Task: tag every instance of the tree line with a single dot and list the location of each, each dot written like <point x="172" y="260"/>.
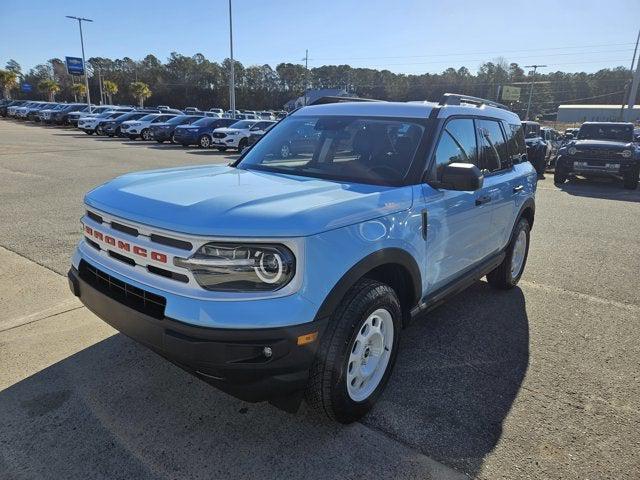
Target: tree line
<point x="183" y="81"/>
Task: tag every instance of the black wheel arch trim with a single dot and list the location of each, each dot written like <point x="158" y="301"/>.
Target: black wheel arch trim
<point x="529" y="203"/>
<point x="385" y="256"/>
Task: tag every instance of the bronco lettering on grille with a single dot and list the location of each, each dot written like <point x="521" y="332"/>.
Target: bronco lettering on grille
<point x="125" y="246"/>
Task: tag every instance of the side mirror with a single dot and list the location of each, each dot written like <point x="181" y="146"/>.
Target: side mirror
<point x="461" y="176"/>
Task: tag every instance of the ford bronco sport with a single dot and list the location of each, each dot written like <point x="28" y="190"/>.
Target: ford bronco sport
<point x="602" y="149"/>
<point x="284" y="277"/>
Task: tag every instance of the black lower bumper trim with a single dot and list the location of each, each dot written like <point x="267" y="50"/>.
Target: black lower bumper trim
<point x="233" y="360"/>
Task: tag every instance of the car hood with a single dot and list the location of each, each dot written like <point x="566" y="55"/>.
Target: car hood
<point x="227" y="130"/>
<point x="602" y="144"/>
<point x="218" y="200"/>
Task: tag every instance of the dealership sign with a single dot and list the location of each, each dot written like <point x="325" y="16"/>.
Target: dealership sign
<point x="26" y="87"/>
<point x="75" y="66"/>
<point x="510" y="94"/>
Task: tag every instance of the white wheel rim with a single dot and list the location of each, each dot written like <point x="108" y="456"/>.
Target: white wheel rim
<point x="519" y="249"/>
<point x="205" y="141"/>
<point x="369" y="355"/>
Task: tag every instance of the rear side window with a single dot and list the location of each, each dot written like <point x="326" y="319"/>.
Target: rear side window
<point x="457" y="144"/>
<point x="515" y="141"/>
<point x="493" y="146"/>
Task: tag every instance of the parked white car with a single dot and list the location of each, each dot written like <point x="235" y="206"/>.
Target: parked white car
<point x="140" y="128"/>
<point x="237" y="135"/>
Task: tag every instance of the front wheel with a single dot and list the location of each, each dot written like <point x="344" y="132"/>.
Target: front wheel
<point x="242" y="145"/>
<point x="508" y="273"/>
<point x="357" y="353"/>
<point x="204" y="141"/>
<point x="558" y="177"/>
<point x="145" y="134"/>
<point x="631" y="179"/>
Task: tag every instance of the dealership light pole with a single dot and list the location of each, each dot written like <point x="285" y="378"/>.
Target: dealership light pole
<point x="84" y="66"/>
<point x="629" y="87"/>
<point x="533" y="77"/>
<point x="232" y="79"/>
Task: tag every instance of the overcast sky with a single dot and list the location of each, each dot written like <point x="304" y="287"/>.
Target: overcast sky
<point x="411" y="36"/>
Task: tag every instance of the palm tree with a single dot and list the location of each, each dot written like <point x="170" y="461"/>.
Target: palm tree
<point x="50" y="87"/>
<point x="79" y="90"/>
<point x="9" y="81"/>
<point x="110" y="88"/>
<point x="140" y="91"/>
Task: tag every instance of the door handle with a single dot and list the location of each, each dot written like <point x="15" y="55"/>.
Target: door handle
<point x="517" y="189"/>
<point x="482" y="200"/>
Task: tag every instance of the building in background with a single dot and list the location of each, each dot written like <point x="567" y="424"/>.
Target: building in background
<point x="596" y="113"/>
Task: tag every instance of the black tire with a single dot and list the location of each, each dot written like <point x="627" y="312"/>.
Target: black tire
<point x="327" y="391"/>
<point x="118" y="131"/>
<point x="242" y="144"/>
<point x="502" y="277"/>
<point x="559" y="178"/>
<point x="172" y="139"/>
<point x="160" y="141"/>
<point x="110" y="135"/>
<point x="98" y="130"/>
<point x="630" y="180"/>
<point x="89" y="132"/>
<point x="204" y="141"/>
<point x="145" y="134"/>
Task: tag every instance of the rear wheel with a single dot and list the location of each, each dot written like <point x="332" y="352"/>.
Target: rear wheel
<point x="357" y="352"/>
<point x="145" y="134"/>
<point x="242" y="144"/>
<point x="631" y="179"/>
<point x="508" y="273"/>
<point x="172" y="139"/>
<point x="98" y="130"/>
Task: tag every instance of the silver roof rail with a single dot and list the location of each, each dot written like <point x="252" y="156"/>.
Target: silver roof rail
<point x="457" y="99"/>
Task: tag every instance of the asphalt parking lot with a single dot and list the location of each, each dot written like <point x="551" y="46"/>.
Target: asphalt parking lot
<point x="538" y="382"/>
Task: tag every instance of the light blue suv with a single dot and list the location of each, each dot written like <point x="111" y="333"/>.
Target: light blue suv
<point x="283" y="277"/>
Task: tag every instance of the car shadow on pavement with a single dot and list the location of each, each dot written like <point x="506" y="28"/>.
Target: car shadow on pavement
<point x="458" y="373"/>
<point x="115" y="409"/>
<point x="605" y="188"/>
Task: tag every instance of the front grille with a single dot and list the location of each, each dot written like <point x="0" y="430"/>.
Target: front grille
<point x="219" y="135"/>
<point x="133" y="297"/>
<point x="124" y="229"/>
<point x="171" y="242"/>
<point x="598" y="154"/>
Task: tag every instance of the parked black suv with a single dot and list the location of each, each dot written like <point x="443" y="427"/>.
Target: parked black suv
<point x="602" y="149"/>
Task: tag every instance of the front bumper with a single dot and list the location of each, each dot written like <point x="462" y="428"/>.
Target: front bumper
<point x="568" y="164"/>
<point x="233" y="360"/>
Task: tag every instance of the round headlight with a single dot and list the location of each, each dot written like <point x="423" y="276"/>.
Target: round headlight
<point x="572" y="151"/>
<point x="235" y="267"/>
<point x="627" y="153"/>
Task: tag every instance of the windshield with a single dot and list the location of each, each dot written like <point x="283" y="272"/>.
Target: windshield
<point x="243" y="124"/>
<point x="359" y="149"/>
<point x="178" y="120"/>
<point x="148" y="118"/>
<point x="205" y="121"/>
<point x="595" y="131"/>
<point x="531" y="130"/>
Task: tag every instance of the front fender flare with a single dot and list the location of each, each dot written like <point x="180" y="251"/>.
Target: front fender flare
<point x="365" y="265"/>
